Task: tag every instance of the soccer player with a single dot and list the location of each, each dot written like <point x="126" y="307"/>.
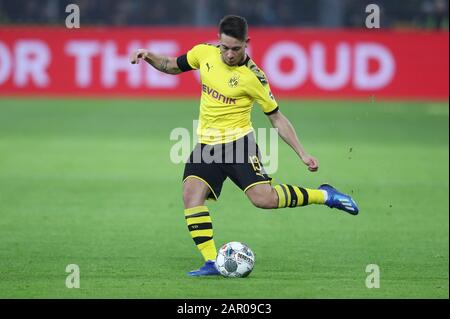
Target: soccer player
<point x="231" y="82"/>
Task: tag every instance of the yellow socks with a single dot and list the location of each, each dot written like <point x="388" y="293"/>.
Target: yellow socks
<point x="200" y="226"/>
<point x="293" y="196"/>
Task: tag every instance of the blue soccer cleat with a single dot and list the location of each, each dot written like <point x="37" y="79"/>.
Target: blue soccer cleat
<point x="338" y="200"/>
<point x="208" y="269"/>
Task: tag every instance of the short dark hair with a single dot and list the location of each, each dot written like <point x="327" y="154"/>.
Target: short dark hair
<point x="234" y="26"/>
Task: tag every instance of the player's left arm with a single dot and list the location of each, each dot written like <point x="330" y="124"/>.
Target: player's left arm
<point x="288" y="134"/>
<point x="260" y="90"/>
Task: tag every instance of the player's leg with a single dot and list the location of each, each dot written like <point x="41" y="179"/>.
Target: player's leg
<point x="251" y="177"/>
<point x="200" y="182"/>
<point x="197" y="216"/>
<point x="280" y="196"/>
<point x="195" y="192"/>
<point x="284" y="195"/>
<point x="263" y="196"/>
<point x="294" y="196"/>
<point x="198" y="219"/>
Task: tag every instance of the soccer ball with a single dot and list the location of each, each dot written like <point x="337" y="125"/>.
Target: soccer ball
<point x="235" y="259"/>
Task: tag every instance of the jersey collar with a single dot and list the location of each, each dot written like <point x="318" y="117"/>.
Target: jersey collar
<point x="247" y="58"/>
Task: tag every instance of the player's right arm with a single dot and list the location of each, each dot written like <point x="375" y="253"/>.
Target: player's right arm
<point x="160" y="62"/>
<point x="173" y="65"/>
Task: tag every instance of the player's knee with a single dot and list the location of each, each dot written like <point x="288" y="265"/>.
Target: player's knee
<point x="191" y="198"/>
<point x="264" y="201"/>
<point x="187" y="198"/>
<point x="265" y="204"/>
<point x="259" y="202"/>
<point x="194" y="194"/>
<point x="263" y="196"/>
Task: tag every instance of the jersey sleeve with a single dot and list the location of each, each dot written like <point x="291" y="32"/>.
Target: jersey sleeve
<point x="195" y="55"/>
<point x="260" y="91"/>
<point x="192" y="59"/>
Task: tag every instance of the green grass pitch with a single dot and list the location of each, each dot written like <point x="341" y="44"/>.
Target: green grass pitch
<point x="89" y="182"/>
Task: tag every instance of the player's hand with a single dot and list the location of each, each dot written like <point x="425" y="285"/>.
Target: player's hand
<point x="137" y="55"/>
<point x="311" y="162"/>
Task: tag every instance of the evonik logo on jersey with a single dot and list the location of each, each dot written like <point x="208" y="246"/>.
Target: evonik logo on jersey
<point x="217" y="95"/>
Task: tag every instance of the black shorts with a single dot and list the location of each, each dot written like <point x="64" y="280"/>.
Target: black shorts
<point x="239" y="160"/>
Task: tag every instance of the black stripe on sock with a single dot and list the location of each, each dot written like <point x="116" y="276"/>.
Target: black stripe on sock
<point x="200" y="226"/>
<point x="197" y="215"/>
<point x="294" y="198"/>
<point x="201" y="239"/>
<point x="305" y="196"/>
<point x="285" y="195"/>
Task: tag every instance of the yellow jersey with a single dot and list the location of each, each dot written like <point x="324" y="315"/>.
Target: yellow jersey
<point x="228" y="94"/>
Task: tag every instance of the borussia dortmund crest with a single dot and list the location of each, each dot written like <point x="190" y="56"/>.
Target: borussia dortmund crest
<point x="234" y="81"/>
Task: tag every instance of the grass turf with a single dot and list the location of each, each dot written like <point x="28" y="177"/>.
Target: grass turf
<point x="90" y="182"/>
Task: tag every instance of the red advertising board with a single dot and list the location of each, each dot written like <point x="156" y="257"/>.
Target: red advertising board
<point x="299" y="63"/>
